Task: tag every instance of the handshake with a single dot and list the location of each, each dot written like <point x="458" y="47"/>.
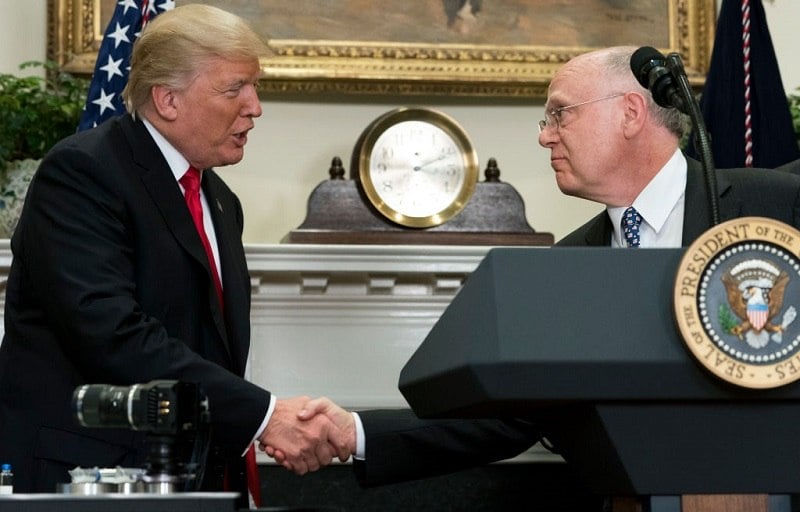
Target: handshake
<point x="304" y="435"/>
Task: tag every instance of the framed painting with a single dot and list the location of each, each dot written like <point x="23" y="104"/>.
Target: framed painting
<point x="508" y="48"/>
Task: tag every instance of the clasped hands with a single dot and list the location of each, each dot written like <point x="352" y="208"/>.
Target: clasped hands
<point x="304" y="435"/>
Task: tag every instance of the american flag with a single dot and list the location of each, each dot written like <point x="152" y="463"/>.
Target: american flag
<point x="744" y="102"/>
<point x="113" y="60"/>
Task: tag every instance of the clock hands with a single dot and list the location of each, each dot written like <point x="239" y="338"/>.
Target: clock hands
<point x="429" y="162"/>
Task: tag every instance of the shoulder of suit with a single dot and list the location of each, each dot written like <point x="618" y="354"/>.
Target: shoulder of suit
<point x="792" y="167"/>
<point x="597" y="225"/>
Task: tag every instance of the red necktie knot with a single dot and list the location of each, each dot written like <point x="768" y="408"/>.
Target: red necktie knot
<point x="191" y="180"/>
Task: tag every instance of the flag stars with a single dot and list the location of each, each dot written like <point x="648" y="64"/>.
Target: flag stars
<point x="120" y="34"/>
<point x="104" y="101"/>
<point x="126" y="4"/>
<point x="112" y="68"/>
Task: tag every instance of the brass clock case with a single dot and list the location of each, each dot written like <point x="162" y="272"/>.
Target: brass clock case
<point x="416" y="166"/>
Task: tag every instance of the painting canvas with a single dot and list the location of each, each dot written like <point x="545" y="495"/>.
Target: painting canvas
<point x="550" y="23"/>
<point x="469" y="47"/>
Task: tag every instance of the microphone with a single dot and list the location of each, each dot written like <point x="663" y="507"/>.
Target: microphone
<point x="667" y="82"/>
<point x="651" y="69"/>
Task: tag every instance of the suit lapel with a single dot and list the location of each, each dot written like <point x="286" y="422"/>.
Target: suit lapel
<point x="235" y="277"/>
<point x="697" y="216"/>
<point x="160" y="183"/>
<point x="600" y="231"/>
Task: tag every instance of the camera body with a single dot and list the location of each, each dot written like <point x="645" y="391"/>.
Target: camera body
<point x="165" y="407"/>
<point x="173" y="414"/>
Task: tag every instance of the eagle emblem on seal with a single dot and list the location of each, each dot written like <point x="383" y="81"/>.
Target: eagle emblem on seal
<point x="755" y="290"/>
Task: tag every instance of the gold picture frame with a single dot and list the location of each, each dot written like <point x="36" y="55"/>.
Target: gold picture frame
<point x="416" y="64"/>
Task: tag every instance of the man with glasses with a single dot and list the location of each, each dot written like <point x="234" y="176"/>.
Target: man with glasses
<point x="609" y="143"/>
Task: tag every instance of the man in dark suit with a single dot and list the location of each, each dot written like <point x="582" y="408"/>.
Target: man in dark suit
<point x="111" y="283"/>
<point x="741" y="192"/>
<point x="610" y="143"/>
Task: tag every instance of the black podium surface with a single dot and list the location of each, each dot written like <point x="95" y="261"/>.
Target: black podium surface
<point x="585" y="340"/>
<point x="118" y="502"/>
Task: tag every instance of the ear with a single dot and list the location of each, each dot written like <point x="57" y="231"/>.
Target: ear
<point x="636" y="114"/>
<point x="164" y="102"/>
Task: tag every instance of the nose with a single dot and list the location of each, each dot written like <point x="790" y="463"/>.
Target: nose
<point x="252" y="104"/>
<point x="548" y="136"/>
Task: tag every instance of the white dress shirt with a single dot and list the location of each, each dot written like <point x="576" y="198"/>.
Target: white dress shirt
<point x="661" y="205"/>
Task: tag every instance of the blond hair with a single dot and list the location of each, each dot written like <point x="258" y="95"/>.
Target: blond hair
<point x="175" y="46"/>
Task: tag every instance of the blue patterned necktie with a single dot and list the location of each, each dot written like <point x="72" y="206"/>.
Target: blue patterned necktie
<point x="630" y="226"/>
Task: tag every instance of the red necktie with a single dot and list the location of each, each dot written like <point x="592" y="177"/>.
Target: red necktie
<point x="191" y="185"/>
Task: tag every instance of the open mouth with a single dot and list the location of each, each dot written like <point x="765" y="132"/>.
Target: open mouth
<point x="240" y="138"/>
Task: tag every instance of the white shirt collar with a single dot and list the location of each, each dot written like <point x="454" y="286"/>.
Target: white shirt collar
<point x="178" y="165"/>
<point x="176" y="161"/>
<point x="660" y="204"/>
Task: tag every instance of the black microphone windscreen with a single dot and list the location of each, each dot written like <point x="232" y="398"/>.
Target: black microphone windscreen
<point x="642" y="62"/>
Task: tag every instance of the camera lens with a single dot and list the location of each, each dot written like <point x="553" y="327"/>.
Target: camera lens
<point x="160" y="406"/>
<point x="102" y="405"/>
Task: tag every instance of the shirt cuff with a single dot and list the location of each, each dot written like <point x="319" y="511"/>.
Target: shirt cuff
<point x="361" y="443"/>
<point x="270" y="410"/>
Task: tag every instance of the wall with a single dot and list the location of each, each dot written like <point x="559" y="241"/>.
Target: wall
<point x="290" y="150"/>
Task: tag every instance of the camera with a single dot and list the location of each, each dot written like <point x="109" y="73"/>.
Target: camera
<point x="161" y="407"/>
<point x="174" y="415"/>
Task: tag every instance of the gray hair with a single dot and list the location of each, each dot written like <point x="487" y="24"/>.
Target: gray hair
<point x="177" y="44"/>
<point x="618" y="63"/>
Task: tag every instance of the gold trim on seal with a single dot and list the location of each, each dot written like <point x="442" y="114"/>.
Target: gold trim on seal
<point x="735" y="347"/>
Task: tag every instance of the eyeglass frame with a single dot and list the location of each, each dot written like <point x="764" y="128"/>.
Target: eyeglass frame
<point x="555" y="113"/>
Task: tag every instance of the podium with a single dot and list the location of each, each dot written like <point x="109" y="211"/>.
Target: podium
<point x="585" y="341"/>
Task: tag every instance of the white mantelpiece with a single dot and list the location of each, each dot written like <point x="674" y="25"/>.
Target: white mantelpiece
<point x="341" y="321"/>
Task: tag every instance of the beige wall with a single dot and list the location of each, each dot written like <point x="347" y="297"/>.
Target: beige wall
<point x="290" y="150"/>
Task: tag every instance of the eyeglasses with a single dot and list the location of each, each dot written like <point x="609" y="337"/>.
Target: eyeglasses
<point x="552" y="117"/>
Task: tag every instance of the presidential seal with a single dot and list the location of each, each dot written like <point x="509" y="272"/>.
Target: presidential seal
<point x="736" y="297"/>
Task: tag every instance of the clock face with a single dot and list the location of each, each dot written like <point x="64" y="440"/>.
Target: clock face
<point x="416" y="166"/>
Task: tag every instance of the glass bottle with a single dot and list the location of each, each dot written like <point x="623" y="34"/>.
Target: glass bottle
<point x="6" y="479"/>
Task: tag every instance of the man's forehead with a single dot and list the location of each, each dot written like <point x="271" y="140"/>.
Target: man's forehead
<point x="573" y="79"/>
<point x="219" y="70"/>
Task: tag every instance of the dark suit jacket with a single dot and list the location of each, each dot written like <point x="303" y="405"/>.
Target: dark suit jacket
<point x="110" y="284"/>
<point x="792" y="167"/>
<point x="401" y="446"/>
<point x="741" y="192"/>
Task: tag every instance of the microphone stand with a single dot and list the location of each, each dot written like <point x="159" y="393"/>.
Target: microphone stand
<point x="702" y="140"/>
